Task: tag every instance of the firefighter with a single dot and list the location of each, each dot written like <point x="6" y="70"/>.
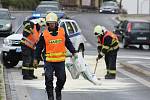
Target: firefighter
<point x="54" y="41"/>
<point x="31" y="33"/>
<point x="108" y="45"/>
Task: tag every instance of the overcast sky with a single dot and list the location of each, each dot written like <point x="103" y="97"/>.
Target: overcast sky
<point x="131" y="6"/>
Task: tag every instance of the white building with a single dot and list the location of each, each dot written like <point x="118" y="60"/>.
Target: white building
<point x="136" y="6"/>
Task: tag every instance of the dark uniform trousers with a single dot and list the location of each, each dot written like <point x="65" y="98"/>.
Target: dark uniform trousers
<point x="59" y="69"/>
<point x="27" y="57"/>
<point x="110" y="60"/>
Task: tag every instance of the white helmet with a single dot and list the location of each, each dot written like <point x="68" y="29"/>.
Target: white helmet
<point x="51" y="18"/>
<point x="41" y="21"/>
<point x="104" y="29"/>
<point x="98" y="30"/>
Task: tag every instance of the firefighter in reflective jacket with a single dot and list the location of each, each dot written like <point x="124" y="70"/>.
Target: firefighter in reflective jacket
<point x="31" y="33"/>
<point x="54" y="41"/>
<point x="108" y="46"/>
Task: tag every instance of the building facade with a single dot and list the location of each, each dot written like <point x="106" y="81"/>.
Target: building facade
<point x="80" y="4"/>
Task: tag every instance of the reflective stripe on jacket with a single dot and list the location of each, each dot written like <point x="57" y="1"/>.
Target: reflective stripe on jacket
<point x="114" y="44"/>
<point x="55" y="46"/>
<point x="32" y="39"/>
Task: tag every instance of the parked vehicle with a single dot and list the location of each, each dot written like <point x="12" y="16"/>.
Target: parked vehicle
<point x="60" y="14"/>
<point x="11" y="50"/>
<point x="133" y="31"/>
<point x="109" y="7"/>
<point x="55" y="3"/>
<point x="42" y="9"/>
<point x="5" y="22"/>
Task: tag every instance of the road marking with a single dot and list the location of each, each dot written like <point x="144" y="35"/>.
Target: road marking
<point x="137" y="78"/>
<point x="134" y="57"/>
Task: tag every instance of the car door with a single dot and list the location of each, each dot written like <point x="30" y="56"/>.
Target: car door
<point x="70" y="31"/>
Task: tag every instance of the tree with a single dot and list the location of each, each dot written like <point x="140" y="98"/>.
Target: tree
<point x="20" y="4"/>
<point x="120" y="4"/>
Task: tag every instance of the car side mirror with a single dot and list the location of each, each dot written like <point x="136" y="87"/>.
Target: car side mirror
<point x="13" y="18"/>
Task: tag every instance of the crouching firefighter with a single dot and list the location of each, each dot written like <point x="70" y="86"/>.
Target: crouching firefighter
<point x="31" y="33"/>
<point x="108" y="45"/>
<point x="54" y="41"/>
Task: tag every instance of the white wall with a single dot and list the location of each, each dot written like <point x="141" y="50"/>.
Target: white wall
<point x="131" y="6"/>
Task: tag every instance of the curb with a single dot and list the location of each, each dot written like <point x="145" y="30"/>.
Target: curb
<point x="136" y="68"/>
<point x="121" y="17"/>
<point x="2" y="84"/>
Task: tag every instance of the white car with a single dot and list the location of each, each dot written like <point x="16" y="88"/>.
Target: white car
<point x="11" y="52"/>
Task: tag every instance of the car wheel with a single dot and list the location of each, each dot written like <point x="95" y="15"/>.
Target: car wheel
<point x="9" y="63"/>
<point x="141" y="47"/>
<point x="81" y="49"/>
<point x="124" y="43"/>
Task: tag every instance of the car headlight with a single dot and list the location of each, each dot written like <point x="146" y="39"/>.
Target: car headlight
<point x="100" y="10"/>
<point x="113" y="10"/>
<point x="7" y="42"/>
<point x="8" y="25"/>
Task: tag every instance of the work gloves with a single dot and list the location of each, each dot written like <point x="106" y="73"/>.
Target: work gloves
<point x="75" y="55"/>
<point x="99" y="57"/>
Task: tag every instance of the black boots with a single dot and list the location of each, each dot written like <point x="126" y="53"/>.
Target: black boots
<point x="27" y="77"/>
<point x="51" y="98"/>
<point x="110" y="76"/>
<point x="31" y="73"/>
<point x="28" y="74"/>
<point x="34" y="77"/>
<point x="50" y="95"/>
<point x="58" y="95"/>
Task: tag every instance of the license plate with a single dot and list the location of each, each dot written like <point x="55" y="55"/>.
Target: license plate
<point x="141" y="38"/>
<point x="18" y="50"/>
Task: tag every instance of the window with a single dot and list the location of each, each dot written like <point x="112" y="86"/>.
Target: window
<point x="70" y="28"/>
<point x="75" y="27"/>
<point x="141" y="26"/>
<point x="4" y="15"/>
<point x="20" y="29"/>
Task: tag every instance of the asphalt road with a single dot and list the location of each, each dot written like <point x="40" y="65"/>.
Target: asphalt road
<point x="87" y="21"/>
<point x="127" y="86"/>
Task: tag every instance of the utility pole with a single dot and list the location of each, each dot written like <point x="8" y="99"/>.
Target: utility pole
<point x="137" y="6"/>
<point x="0" y="3"/>
<point x="149" y="7"/>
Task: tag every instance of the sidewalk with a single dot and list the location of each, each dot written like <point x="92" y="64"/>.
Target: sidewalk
<point x="21" y="89"/>
<point x="2" y="84"/>
<point x="121" y="17"/>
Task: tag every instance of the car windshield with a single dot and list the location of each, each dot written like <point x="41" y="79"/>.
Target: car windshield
<point x="19" y="30"/>
<point x="140" y="26"/>
<point x="4" y="15"/>
<point x="109" y="4"/>
<point x="49" y="3"/>
<point x="45" y="9"/>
